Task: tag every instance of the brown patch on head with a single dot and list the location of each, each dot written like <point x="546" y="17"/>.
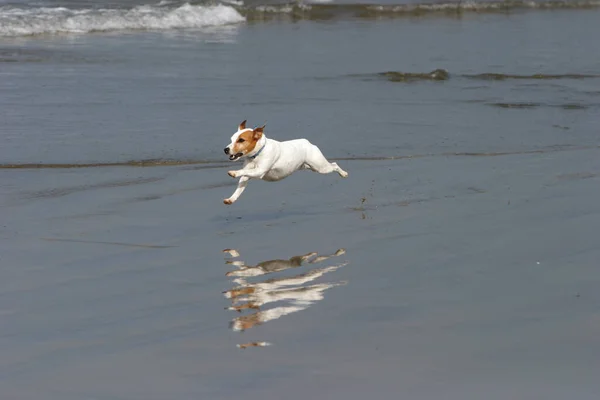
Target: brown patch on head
<point x="246" y="142"/>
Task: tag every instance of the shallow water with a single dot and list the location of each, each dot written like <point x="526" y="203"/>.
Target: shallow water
<point x="468" y="223"/>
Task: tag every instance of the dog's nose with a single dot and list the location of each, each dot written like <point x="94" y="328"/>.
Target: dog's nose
<point x="226" y="150"/>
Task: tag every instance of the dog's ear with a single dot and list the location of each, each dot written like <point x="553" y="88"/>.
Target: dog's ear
<point x="242" y="125"/>
<point x="258" y="132"/>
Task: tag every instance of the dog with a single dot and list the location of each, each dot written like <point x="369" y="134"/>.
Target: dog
<point x="272" y="161"/>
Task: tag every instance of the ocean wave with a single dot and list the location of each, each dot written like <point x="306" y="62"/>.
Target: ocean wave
<point x="55" y="20"/>
<point x="321" y="10"/>
<point x="487" y="6"/>
<point x="172" y="14"/>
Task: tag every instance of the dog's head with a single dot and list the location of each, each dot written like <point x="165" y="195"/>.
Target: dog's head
<point x="243" y="141"/>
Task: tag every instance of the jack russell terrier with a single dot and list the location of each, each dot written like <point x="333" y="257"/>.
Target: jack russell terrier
<point x="270" y="160"/>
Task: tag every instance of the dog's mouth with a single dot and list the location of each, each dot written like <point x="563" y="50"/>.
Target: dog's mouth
<point x="234" y="157"/>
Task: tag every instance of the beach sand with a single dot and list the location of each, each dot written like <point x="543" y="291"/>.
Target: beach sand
<point x="463" y="277"/>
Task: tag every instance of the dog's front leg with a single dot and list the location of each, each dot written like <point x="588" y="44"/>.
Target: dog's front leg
<point x="238" y="191"/>
<point x="254" y="173"/>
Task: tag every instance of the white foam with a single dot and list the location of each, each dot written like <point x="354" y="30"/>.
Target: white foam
<point x="35" y="21"/>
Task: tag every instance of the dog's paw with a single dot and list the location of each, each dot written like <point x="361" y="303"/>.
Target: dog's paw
<point x="343" y="174"/>
<point x="228" y="201"/>
<point x="232" y="174"/>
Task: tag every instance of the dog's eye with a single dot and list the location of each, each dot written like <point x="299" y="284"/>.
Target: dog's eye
<point x="240" y="140"/>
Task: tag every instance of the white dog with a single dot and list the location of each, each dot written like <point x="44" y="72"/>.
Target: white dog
<point x="270" y="160"/>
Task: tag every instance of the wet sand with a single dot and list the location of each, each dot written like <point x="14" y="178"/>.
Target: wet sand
<point x="461" y="277"/>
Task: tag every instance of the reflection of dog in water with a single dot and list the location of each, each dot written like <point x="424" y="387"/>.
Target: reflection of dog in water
<point x="300" y="298"/>
<point x="261" y="293"/>
<point x="293" y="290"/>
<point x="270" y="266"/>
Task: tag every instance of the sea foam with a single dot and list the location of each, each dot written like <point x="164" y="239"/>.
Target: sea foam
<point x="45" y="20"/>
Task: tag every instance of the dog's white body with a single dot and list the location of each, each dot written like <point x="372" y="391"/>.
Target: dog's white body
<point x="278" y="160"/>
<point x="271" y="160"/>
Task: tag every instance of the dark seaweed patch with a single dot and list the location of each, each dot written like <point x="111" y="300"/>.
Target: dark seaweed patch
<point x="435" y="75"/>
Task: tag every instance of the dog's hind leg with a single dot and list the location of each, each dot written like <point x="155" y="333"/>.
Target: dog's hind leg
<point x="316" y="161"/>
<point x="340" y="171"/>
